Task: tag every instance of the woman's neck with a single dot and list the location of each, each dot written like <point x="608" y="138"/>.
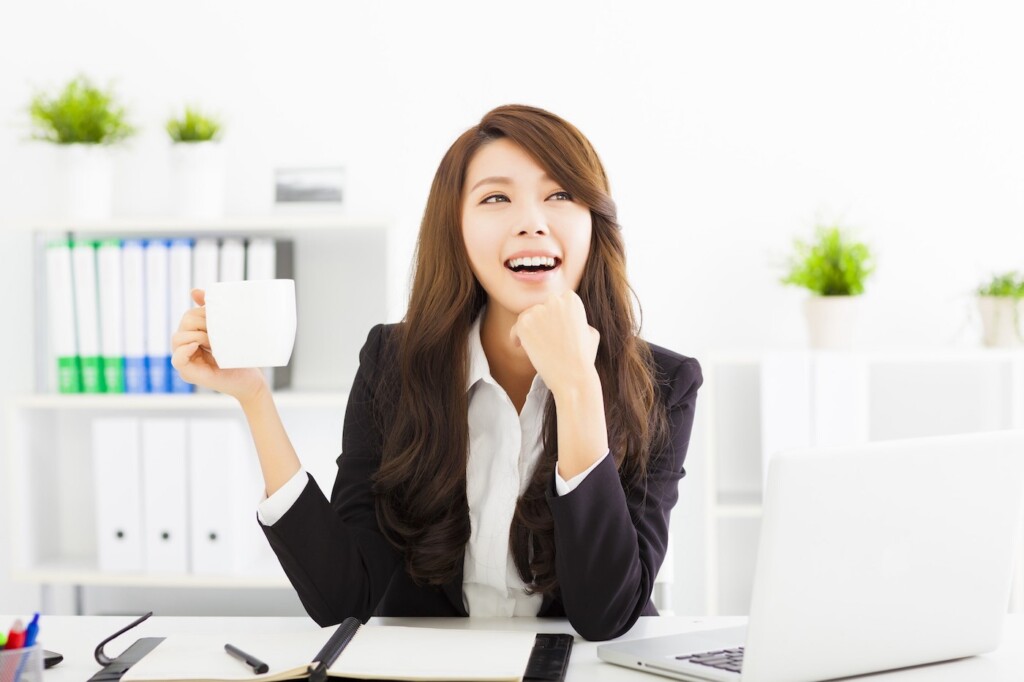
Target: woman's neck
<point x="509" y="364"/>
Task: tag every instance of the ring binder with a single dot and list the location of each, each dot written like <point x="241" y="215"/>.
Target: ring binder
<point x="115" y="668"/>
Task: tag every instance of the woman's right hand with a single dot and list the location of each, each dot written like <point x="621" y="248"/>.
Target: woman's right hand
<point x="191" y="356"/>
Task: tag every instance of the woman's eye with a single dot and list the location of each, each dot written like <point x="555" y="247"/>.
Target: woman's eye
<point x="568" y="197"/>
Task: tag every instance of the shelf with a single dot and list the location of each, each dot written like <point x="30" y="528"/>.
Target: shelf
<point x="83" y="574"/>
<point x="315" y="222"/>
<point x="874" y="355"/>
<point x="346" y="278"/>
<point x="738" y="511"/>
<point x="172" y="401"/>
<point x="738" y="505"/>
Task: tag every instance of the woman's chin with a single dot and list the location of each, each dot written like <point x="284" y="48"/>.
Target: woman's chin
<point x="523" y="302"/>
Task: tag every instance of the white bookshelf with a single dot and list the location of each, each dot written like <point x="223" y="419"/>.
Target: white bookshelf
<point x="86" y="575"/>
<point x="297" y="223"/>
<point x="345" y="279"/>
<point x="878" y="395"/>
<point x="285" y="399"/>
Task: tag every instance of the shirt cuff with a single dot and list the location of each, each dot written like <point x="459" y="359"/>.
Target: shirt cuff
<point x="563" y="487"/>
<point x="271" y="509"/>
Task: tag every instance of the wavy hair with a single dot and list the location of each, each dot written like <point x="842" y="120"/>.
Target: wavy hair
<point x="421" y="484"/>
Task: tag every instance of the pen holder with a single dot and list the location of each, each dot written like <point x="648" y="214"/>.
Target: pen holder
<point x="22" y="665"/>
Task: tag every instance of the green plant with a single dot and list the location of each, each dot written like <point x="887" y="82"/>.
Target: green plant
<point x="194" y="126"/>
<point x="81" y="113"/>
<point x="832" y="265"/>
<point x="1007" y="284"/>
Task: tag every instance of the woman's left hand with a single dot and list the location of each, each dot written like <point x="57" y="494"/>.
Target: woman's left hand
<point x="560" y="344"/>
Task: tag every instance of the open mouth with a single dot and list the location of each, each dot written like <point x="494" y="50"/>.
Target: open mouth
<point x="535" y="264"/>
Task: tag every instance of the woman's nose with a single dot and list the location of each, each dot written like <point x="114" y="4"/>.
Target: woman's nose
<point x="532" y="219"/>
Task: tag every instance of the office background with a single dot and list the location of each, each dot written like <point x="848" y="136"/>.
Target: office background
<point x="726" y="129"/>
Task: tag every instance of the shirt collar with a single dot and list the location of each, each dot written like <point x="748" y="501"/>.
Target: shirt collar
<point x="479" y="368"/>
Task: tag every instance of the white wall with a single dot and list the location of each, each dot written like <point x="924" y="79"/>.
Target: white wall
<point x="726" y="128"/>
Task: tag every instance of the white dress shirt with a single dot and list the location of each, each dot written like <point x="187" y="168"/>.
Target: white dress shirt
<point x="504" y="447"/>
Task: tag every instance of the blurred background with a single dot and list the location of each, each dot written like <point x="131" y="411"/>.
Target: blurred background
<point x="727" y="129"/>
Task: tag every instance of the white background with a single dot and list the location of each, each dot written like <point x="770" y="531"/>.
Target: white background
<point x="726" y="128"/>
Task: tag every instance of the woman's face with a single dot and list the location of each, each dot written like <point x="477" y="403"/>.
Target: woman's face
<point x="512" y="211"/>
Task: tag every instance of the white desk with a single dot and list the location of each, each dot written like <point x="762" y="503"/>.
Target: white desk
<point x="76" y="636"/>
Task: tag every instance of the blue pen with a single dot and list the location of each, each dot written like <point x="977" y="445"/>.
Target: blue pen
<point x="32" y="631"/>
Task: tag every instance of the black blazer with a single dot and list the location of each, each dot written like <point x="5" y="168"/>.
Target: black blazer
<point x="609" y="542"/>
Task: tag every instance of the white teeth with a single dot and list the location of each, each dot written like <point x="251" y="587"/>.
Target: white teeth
<point x="533" y="262"/>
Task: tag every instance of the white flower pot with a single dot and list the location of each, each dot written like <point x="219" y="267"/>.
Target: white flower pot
<point x="197" y="180"/>
<point x="1001" y="321"/>
<point x="87" y="179"/>
<point x="832" y="321"/>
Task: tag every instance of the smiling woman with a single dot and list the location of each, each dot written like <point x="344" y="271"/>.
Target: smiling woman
<point x="530" y="226"/>
<point x="513" y="447"/>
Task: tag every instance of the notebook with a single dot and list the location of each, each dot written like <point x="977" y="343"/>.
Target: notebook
<point x="365" y="652"/>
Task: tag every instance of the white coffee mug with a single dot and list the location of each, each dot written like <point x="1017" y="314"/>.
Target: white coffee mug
<point x="251" y="323"/>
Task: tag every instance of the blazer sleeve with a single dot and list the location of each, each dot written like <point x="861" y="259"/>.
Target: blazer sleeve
<point x="610" y="542"/>
<point x="333" y="552"/>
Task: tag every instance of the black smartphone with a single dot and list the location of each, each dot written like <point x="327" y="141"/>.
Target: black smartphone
<point x="51" y="658"/>
<point x="549" y="659"/>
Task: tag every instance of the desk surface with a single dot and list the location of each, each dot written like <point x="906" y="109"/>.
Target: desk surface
<point x="76" y="636"/>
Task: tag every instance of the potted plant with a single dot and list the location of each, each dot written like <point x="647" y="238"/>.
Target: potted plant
<point x="834" y="268"/>
<point x="1000" y="303"/>
<point x="83" y="121"/>
<point x="197" y="165"/>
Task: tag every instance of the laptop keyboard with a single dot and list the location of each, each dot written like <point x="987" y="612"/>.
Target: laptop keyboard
<point x="724" y="659"/>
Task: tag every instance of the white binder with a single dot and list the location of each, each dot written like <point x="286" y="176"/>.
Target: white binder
<point x="61" y="307"/>
<point x="133" y="261"/>
<point x="87" y="314"/>
<point x="179" y="299"/>
<point x="261" y="259"/>
<point x="232" y="260"/>
<point x="110" y="277"/>
<point x="204" y="263"/>
<point x="180" y="280"/>
<point x="205" y="271"/>
<point x="165" y="494"/>
<point x="224" y="487"/>
<point x="261" y="263"/>
<point x="266" y="258"/>
<point x="158" y="333"/>
<point x="117" y="479"/>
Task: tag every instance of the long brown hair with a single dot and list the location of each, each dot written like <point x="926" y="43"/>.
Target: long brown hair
<point x="421" y="484"/>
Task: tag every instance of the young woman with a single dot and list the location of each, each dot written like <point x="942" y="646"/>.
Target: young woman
<point x="512" y="447"/>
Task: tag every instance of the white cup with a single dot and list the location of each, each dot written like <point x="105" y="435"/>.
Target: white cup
<point x="251" y="323"/>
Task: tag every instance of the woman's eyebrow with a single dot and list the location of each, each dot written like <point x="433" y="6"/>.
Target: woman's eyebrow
<point x="501" y="180"/>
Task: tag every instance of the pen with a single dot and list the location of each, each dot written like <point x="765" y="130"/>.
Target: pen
<point x="32" y="631"/>
<point x="16" y="637"/>
<point x="258" y="666"/>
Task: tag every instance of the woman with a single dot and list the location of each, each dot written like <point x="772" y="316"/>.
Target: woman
<point x="512" y="447"/>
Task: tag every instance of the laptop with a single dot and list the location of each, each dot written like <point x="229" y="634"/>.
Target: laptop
<point x="871" y="558"/>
